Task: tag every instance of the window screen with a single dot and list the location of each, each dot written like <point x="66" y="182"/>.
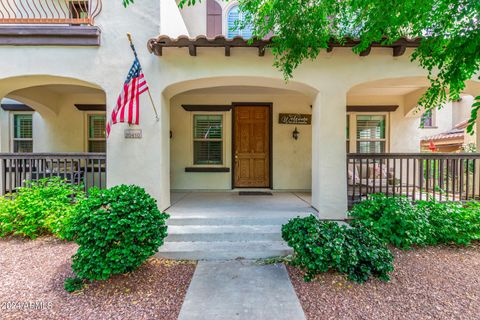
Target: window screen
<point x="22" y="133"/>
<point x="233" y="30"/>
<point x="96" y="133"/>
<point x="207" y="139"/>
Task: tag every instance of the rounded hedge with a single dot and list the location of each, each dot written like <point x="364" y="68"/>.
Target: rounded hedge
<point x="116" y="229"/>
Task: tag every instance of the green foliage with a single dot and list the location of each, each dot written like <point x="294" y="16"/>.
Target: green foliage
<point x="394" y="219"/>
<point x="116" y="229"/>
<point x="73" y="284"/>
<point x="323" y="246"/>
<point x="451" y="222"/>
<point x="449" y="29"/>
<point x="41" y="207"/>
<point x="404" y="224"/>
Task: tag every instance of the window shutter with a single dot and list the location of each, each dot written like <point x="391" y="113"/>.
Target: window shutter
<point x="214" y="19"/>
<point x="23" y="126"/>
<point x="370" y="127"/>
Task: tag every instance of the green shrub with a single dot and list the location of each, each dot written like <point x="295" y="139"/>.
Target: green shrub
<point x="73" y="284"/>
<point x="40" y="207"/>
<point x="116" y="229"/>
<point x="323" y="246"/>
<point x="394" y="219"/>
<point x="451" y="222"/>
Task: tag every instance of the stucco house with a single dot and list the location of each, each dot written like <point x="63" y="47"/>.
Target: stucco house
<point x="228" y="121"/>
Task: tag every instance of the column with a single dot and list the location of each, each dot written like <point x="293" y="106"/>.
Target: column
<point x="329" y="182"/>
<point x="142" y="161"/>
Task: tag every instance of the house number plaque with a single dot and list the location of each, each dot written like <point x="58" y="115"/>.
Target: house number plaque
<point x="295" y="118"/>
<point x="133" y="133"/>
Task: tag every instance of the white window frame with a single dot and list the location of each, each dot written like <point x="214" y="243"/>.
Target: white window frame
<point x="192" y="139"/>
<point x="12" y="130"/>
<point x="86" y="128"/>
<point x="434" y="120"/>
<point x="225" y="19"/>
<point x="353" y="129"/>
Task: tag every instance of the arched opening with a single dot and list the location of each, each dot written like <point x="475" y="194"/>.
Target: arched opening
<point x="231" y="135"/>
<point x="52" y="126"/>
<point x="396" y="147"/>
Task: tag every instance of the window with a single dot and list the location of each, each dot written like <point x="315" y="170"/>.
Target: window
<point x="207" y="139"/>
<point x="22" y="133"/>
<point x="233" y="30"/>
<point x="427" y="120"/>
<point x="96" y="133"/>
<point x="371" y="133"/>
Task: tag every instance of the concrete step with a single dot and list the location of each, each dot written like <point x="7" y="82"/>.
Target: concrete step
<point x="190" y="233"/>
<point x="223" y="250"/>
<point x="218" y="221"/>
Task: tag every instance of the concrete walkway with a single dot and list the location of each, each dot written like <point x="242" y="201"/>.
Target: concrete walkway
<point x="240" y="289"/>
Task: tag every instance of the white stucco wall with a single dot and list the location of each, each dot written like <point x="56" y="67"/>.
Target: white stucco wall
<point x="291" y="158"/>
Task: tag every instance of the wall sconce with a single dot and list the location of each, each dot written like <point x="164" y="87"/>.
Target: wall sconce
<point x="295" y="134"/>
<point x="171" y="134"/>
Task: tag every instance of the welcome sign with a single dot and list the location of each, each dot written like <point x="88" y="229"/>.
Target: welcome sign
<point x="295" y="118"/>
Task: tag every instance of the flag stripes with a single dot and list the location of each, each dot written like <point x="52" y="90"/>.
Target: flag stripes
<point x="127" y="108"/>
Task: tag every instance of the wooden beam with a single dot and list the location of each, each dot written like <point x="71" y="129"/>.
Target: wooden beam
<point x="207" y="107"/>
<point x="372" y="108"/>
<point x="399" y="50"/>
<point x="365" y="52"/>
<point x="192" y="50"/>
<point x="227" y="51"/>
<point x="16" y="107"/>
<point x="91" y="107"/>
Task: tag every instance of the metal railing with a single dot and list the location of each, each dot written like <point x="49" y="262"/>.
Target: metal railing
<point x="418" y="176"/>
<point x="87" y="169"/>
<point x="71" y="12"/>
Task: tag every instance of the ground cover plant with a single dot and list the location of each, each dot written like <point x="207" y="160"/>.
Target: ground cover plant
<point x="116" y="229"/>
<point x="41" y="207"/>
<point x="322" y="246"/>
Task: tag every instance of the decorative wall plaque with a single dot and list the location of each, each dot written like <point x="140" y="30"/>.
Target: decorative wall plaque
<point x="133" y="133"/>
<point x="294" y="118"/>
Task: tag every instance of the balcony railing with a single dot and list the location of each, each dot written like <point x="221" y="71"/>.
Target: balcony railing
<point x="418" y="176"/>
<point x="70" y="12"/>
<point x="87" y="169"/>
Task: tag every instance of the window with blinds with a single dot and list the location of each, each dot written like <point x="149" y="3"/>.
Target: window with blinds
<point x="22" y="133"/>
<point x="371" y="133"/>
<point x="96" y="133"/>
<point x="233" y="16"/>
<point x="207" y="139"/>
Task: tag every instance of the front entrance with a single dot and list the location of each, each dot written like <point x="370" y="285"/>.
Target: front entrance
<point x="251" y="146"/>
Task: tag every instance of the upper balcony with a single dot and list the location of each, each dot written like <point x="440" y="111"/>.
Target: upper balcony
<point x="49" y="22"/>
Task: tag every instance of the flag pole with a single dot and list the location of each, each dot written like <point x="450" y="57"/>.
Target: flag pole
<point x="129" y="36"/>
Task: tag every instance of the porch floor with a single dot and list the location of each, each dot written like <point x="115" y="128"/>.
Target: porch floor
<point x="231" y="204"/>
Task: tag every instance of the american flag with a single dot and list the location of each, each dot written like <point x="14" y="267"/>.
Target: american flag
<point x="127" y="108"/>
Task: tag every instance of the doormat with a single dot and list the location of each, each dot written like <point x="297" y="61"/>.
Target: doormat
<point x="255" y="193"/>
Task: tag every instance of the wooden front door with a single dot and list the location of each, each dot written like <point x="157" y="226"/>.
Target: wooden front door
<point x="251" y="146"/>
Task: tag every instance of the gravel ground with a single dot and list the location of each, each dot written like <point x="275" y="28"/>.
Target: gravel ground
<point x="34" y="271"/>
<point x="428" y="283"/>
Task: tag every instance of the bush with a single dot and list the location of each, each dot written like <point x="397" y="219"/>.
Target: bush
<point x="394" y="219"/>
<point x="116" y="229"/>
<point x="41" y="207"/>
<point x="323" y="246"/>
<point x="451" y="222"/>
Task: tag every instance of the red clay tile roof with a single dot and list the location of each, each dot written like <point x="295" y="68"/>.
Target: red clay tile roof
<point x="156" y="45"/>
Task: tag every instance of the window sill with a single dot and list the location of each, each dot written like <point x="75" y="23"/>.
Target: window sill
<point x="207" y="169"/>
<point x="429" y="127"/>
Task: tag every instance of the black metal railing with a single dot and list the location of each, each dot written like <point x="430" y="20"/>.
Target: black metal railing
<point x="419" y="176"/>
<point x="87" y="169"/>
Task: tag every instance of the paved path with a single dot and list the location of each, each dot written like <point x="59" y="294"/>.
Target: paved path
<point x="240" y="289"/>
